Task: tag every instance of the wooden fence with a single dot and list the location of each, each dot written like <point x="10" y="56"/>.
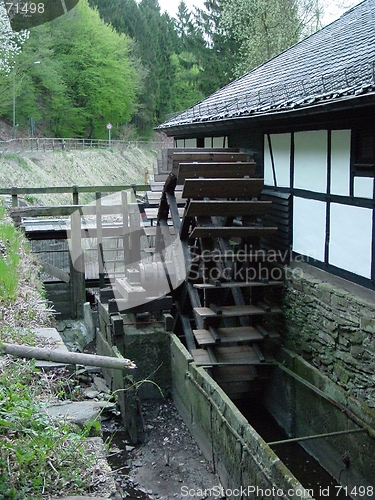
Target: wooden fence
<point x="71" y="144"/>
<point x="14" y="192"/>
<point x="74" y="278"/>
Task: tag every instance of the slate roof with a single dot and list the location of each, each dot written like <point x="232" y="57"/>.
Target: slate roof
<point x="336" y="62"/>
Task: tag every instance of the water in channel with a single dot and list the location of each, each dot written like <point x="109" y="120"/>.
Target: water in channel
<point x="302" y="465"/>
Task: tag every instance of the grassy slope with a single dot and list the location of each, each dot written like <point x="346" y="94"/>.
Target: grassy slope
<point x="81" y="168"/>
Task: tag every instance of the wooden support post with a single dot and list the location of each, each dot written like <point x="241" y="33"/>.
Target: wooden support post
<point x="77" y="268"/>
<point x="118" y="332"/>
<point x="99" y="238"/>
<point x="135" y="226"/>
<point x="125" y="225"/>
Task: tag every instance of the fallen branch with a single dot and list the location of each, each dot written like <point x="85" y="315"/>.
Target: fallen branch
<point x="75" y="358"/>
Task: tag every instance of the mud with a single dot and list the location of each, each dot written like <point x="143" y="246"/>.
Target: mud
<point x="169" y="464"/>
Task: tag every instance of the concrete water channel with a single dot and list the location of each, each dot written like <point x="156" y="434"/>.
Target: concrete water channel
<point x="302" y="438"/>
<point x="252" y="459"/>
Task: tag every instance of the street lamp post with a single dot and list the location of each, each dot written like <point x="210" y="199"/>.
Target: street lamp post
<point x="14" y="104"/>
<point x="14" y="100"/>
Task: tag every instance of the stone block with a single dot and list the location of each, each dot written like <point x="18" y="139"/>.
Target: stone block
<point x="343" y="375"/>
<point x="327" y="339"/>
<point x="297" y="286"/>
<point x="347" y="358"/>
<point x="323" y="293"/>
<point x="331" y="327"/>
<point x="357" y="351"/>
<point x="344" y="342"/>
<point x="368" y="324"/>
<point x="339" y="302"/>
<point x="306" y="347"/>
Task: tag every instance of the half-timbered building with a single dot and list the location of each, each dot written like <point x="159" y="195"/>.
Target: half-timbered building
<point x="307" y="117"/>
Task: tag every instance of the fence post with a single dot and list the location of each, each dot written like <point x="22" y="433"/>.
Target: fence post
<point x="75" y="195"/>
<point x="134" y="193"/>
<point x="14" y="197"/>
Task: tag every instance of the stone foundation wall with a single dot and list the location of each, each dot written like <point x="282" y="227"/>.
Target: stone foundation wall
<point x="331" y="324"/>
<point x="246" y="465"/>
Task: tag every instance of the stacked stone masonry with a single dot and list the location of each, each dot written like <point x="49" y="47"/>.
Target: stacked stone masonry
<point x="334" y="330"/>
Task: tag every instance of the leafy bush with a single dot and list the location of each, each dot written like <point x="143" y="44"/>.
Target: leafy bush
<point x="39" y="455"/>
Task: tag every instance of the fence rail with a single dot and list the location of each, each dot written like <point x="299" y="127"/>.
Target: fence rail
<point x="14" y="192"/>
<point x="71" y="144"/>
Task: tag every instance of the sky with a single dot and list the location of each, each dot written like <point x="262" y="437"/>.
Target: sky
<point x="333" y="9"/>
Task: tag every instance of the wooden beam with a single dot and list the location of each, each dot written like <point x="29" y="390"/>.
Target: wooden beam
<point x="231" y="232"/>
<point x="227" y="208"/>
<point x="206" y="156"/>
<point x="56" y="272"/>
<point x="234" y="311"/>
<point x="215" y="169"/>
<point x="238" y="284"/>
<point x="222" y="188"/>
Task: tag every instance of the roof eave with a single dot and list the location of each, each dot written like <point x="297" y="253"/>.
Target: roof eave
<point x="230" y="123"/>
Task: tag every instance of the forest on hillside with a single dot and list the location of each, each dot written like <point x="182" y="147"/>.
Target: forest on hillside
<point x="127" y="63"/>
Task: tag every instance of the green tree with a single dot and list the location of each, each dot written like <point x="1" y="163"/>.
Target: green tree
<point x="214" y="47"/>
<point x="155" y="40"/>
<point x="264" y="28"/>
<point x="97" y="70"/>
<point x="41" y="91"/>
<point x="185" y="89"/>
<point x="184" y="25"/>
<point x="83" y="79"/>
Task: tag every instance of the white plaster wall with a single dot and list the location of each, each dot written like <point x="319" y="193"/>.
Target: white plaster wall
<point x="190" y="143"/>
<point x="309" y="227"/>
<point x="268" y="175"/>
<point x="350" y="239"/>
<point x="340" y="162"/>
<point x="281" y="155"/>
<point x="215" y="142"/>
<point x="310" y="160"/>
<point x="218" y="142"/>
<point x="363" y="187"/>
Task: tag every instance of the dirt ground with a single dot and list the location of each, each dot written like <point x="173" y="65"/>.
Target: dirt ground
<point x="169" y="464"/>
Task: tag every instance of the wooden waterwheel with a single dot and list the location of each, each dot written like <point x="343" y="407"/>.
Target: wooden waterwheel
<point x="226" y="309"/>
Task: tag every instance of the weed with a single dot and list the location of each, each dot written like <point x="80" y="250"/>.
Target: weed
<point x="9" y="259"/>
<point x="21" y="161"/>
<point x="39" y="454"/>
<point x="17" y="336"/>
<point x="30" y="199"/>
